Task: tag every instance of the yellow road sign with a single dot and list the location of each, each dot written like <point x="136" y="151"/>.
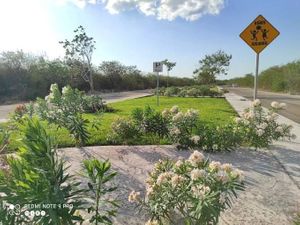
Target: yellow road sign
<point x="259" y="34"/>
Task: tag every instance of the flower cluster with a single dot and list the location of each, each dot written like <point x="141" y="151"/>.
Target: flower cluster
<point x="182" y="125"/>
<point x="259" y="127"/>
<point x="190" y="188"/>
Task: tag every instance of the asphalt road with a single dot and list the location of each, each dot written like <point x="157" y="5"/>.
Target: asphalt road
<point x="292" y="101"/>
<point x="107" y="97"/>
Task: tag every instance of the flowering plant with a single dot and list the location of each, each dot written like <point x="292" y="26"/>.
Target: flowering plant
<point x="123" y="131"/>
<point x="260" y="127"/>
<point x="194" y="191"/>
<point x="181" y="125"/>
<point x="151" y="121"/>
<point x="65" y="109"/>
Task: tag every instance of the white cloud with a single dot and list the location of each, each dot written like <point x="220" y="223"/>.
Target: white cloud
<point x="162" y="9"/>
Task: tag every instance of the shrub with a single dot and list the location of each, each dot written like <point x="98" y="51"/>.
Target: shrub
<point x="181" y="126"/>
<point x="99" y="176"/>
<point x="4" y="139"/>
<point x="36" y="175"/>
<point x="171" y="91"/>
<point x="193" y="191"/>
<point x="151" y="121"/>
<point x="65" y="110"/>
<point x="259" y="128"/>
<point x="124" y="131"/>
<point x="182" y="93"/>
<point x="219" y="138"/>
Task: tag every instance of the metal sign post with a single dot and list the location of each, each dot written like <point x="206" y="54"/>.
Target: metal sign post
<point x="157" y="67"/>
<point x="258" y="35"/>
<point x="157" y="89"/>
<point x="256" y="77"/>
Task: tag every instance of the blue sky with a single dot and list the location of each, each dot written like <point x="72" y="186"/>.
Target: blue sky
<point x="140" y="32"/>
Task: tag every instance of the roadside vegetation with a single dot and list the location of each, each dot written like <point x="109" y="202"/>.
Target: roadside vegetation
<point x="78" y="119"/>
<point x="192" y="91"/>
<point x="24" y="77"/>
<point x="36" y="175"/>
<point x="285" y="78"/>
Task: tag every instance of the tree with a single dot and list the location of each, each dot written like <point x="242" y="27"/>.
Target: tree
<point x="212" y="66"/>
<point x="169" y="66"/>
<point x="78" y="53"/>
<point x="114" y="71"/>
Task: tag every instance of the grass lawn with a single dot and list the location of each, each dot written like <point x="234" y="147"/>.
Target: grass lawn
<point x="213" y="111"/>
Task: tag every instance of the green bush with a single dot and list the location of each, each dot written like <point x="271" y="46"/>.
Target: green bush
<point x="259" y="128"/>
<point x="150" y="121"/>
<point x="191" y="91"/>
<point x="220" y="138"/>
<point x="193" y="191"/>
<point x="36" y="175"/>
<point x="123" y="131"/>
<point x="100" y="176"/>
<point x="65" y="110"/>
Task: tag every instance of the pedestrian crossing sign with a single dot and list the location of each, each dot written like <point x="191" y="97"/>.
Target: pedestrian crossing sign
<point x="259" y="34"/>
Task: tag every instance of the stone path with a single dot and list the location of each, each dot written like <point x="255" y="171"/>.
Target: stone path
<point x="271" y="198"/>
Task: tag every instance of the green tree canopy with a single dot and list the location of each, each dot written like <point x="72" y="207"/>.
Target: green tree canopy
<point x="212" y="66"/>
<point x="78" y="53"/>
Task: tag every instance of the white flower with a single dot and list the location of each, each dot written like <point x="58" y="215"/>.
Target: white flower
<point x="192" y="113"/>
<point x="238" y="174"/>
<point x="227" y="167"/>
<point x="196" y="158"/>
<point x="215" y="147"/>
<point x="279" y="129"/>
<point x="275" y="105"/>
<point x="64" y="90"/>
<point x="178" y="117"/>
<point x="215" y="165"/>
<point x="179" y="163"/>
<point x="176" y="180"/>
<point x="53" y="87"/>
<point x="195" y="139"/>
<point x="134" y="196"/>
<point x="204" y="147"/>
<point x="174" y="109"/>
<point x="165" y="113"/>
<point x="256" y="103"/>
<point x="222" y="176"/>
<point x="237" y="119"/>
<point x="196" y="174"/>
<point x="175" y="131"/>
<point x="149" y="191"/>
<point x="200" y="191"/>
<point x="282" y="105"/>
<point x="162" y="178"/>
<point x="263" y="126"/>
<point x="152" y="222"/>
<point x="260" y="132"/>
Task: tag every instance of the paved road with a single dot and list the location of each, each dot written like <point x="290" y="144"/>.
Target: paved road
<point x="107" y="97"/>
<point x="292" y="101"/>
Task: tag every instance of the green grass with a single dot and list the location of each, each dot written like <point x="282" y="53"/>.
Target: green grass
<point x="213" y="111"/>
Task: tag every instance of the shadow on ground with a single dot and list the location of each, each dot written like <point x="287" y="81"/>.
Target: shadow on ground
<point x="271" y="196"/>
